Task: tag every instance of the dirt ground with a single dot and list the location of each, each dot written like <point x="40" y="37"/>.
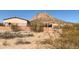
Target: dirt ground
<point x="31" y="42"/>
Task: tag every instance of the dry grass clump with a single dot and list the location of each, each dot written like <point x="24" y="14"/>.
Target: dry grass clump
<point x="10" y="35"/>
<point x="22" y="41"/>
<point x="45" y="41"/>
<point x="15" y="28"/>
<point x="29" y="35"/>
<point x="7" y="35"/>
<point x="37" y="25"/>
<point x="1" y="24"/>
<point x="69" y="39"/>
<point x="5" y="43"/>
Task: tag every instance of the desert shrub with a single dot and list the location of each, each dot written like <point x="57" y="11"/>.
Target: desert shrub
<point x="29" y="35"/>
<point x="5" y="43"/>
<point x="1" y="24"/>
<point x="45" y="41"/>
<point x="23" y="34"/>
<point x="67" y="27"/>
<point x="76" y="26"/>
<point x="22" y="41"/>
<point x="18" y="34"/>
<point x="37" y="25"/>
<point x="9" y="35"/>
<point x="44" y="44"/>
<point x="69" y="39"/>
<point x="15" y="28"/>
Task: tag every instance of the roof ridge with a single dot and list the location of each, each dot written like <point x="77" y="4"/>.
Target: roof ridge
<point x="16" y="17"/>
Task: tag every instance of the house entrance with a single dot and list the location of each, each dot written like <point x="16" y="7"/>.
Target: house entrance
<point x="49" y="25"/>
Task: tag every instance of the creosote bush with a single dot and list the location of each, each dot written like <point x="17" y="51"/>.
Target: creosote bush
<point x="37" y="25"/>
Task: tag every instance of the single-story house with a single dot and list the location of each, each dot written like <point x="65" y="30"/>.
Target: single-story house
<point x="15" y="20"/>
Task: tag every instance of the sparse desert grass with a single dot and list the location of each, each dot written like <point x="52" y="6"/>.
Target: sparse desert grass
<point x="22" y="41"/>
<point x="10" y="35"/>
<point x="29" y="35"/>
<point x="69" y="39"/>
<point x="5" y="43"/>
<point x="15" y="28"/>
<point x="1" y="24"/>
<point x="38" y="41"/>
<point x="7" y="35"/>
<point x="37" y="25"/>
<point x="45" y="41"/>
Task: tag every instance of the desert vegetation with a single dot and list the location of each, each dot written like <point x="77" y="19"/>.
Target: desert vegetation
<point x="22" y="41"/>
<point x="10" y="35"/>
<point x="69" y="38"/>
<point x="15" y="27"/>
<point x="1" y="24"/>
<point x="37" y="25"/>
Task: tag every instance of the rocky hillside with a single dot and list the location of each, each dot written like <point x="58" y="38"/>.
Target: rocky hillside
<point x="44" y="17"/>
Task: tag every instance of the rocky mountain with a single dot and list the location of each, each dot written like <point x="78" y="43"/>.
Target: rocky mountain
<point x="44" y="17"/>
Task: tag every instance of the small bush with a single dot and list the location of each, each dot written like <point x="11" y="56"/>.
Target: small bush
<point x="69" y="38"/>
<point x="5" y="43"/>
<point x="1" y="24"/>
<point x="18" y="34"/>
<point x="29" y="35"/>
<point x="7" y="35"/>
<point x="37" y="25"/>
<point x="10" y="35"/>
<point x="21" y="41"/>
<point x="15" y="28"/>
<point x="45" y="41"/>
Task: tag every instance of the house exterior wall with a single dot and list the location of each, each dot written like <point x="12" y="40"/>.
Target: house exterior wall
<point x="22" y="24"/>
<point x="16" y="21"/>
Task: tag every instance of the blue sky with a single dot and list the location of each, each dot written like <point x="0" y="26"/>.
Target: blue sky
<point x="66" y="15"/>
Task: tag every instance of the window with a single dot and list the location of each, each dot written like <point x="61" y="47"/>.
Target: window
<point x="49" y="25"/>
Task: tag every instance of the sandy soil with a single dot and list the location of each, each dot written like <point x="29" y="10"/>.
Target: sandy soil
<point x="31" y="42"/>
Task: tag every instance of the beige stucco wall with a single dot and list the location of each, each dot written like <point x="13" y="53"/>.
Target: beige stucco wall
<point x="17" y="21"/>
